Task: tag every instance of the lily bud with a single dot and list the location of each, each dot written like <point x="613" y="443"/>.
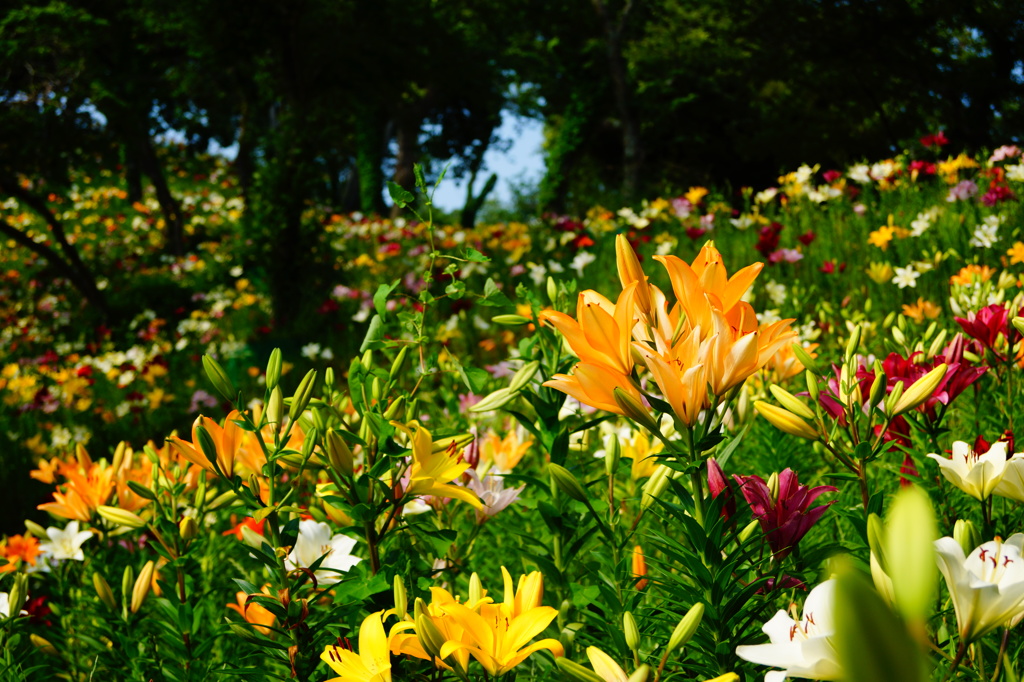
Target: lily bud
<point x="898" y="336"/>
<point x="631" y="631"/>
<point x="219" y="378"/>
<point x="805" y="358"/>
<point x="576" y="671"/>
<point x="394" y="408"/>
<point x="853" y="343"/>
<point x="877" y="392"/>
<point x="43" y="645"/>
<point x="920" y="390"/>
<point x="339" y="454"/>
<point x="329" y="378"/>
<point x="494" y="401"/>
<point x="252" y="538"/>
<point x="141" y="588"/>
<point x="633" y="409"/>
<point x="127" y="583"/>
<point x="643" y="672"/>
<point x="224" y="498"/>
<point x="510" y="320"/>
<point x="687" y="627"/>
<point x="302" y="395"/>
<point x="812" y="385"/>
<point x="430" y="638"/>
<point x="274" y="369"/>
<point x="521" y="378"/>
<point x="118" y="458"/>
<point x="785" y="420"/>
<point x="207" y="444"/>
<point x="275" y="407"/>
<point x="200" y="497"/>
<point x="655" y="486"/>
<point x="748" y="530"/>
<point x="188" y="528"/>
<point x="35" y="529"/>
<point x="552" y="290"/>
<point x="791" y="402"/>
<point x="966" y="535"/>
<point x="876" y="538"/>
<point x="1018" y="324"/>
<point x="612" y="454"/>
<point x="889" y="319"/>
<point x="399" y="363"/>
<point x="476" y="589"/>
<point x="567" y="483"/>
<point x="120" y="517"/>
<point x="400" y="597"/>
<point x="141" y="490"/>
<point x="18" y="594"/>
<point x="103" y="591"/>
<point x="937" y="344"/>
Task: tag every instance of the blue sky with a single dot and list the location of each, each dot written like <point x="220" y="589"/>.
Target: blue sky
<point x="523" y="161"/>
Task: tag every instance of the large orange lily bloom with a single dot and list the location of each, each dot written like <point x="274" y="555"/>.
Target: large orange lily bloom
<point x="601" y="332"/>
<point x="227" y="439"/>
<point x="594" y="385"/>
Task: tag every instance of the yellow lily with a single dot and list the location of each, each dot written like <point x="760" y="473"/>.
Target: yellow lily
<point x="432" y="472"/>
<point x="371" y="664"/>
<point x="601" y="332"/>
<point x="679" y="374"/>
<point x="498" y="637"/>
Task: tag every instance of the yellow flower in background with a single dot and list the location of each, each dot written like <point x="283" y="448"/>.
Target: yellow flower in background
<point x="881" y="237"/>
<point x="695" y="194"/>
<point x="880" y="273"/>
<point x="922" y="310"/>
<point x="373" y="661"/>
<point x="1016" y="253"/>
<point x="503" y="453"/>
<point x="431" y="472"/>
<point x="643" y="454"/>
<point x="950" y="168"/>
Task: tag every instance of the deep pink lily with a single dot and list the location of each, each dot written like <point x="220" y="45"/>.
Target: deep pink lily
<point x="785" y="515"/>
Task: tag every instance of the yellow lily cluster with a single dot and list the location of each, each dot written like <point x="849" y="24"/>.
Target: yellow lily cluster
<point x="431" y="472"/>
<point x="696" y="350"/>
<point x="449" y="632"/>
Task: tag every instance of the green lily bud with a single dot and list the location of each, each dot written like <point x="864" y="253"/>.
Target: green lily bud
<point x="302" y="395"/>
<point x="207" y="445"/>
<point x="567" y="483"/>
<point x="611" y="459"/>
<point x="812" y="385"/>
<point x="118" y="457"/>
<point x="576" y="671"/>
<point x="633" y="409"/>
<point x="339" y="454"/>
<point x="937" y="344"/>
<point x="127" y="583"/>
<point x="687" y="627"/>
<point x="641" y="674"/>
<point x="877" y="393"/>
<point x="103" y="591"/>
<point x="876" y="538"/>
<point x="141" y="490"/>
<point x="898" y="336"/>
<point x="35" y="529"/>
<point x="43" y="645"/>
<point x="399" y="363"/>
<point x="219" y="378"/>
<point x="275" y="407"/>
<point x="522" y="378"/>
<point x="966" y="535"/>
<point x="773" y="485"/>
<point x="400" y="597"/>
<point x="889" y="319"/>
<point x="476" y="588"/>
<point x="655" y="486"/>
<point x="510" y="320"/>
<point x="631" y="631"/>
<point x="894" y="395"/>
<point x="748" y="530"/>
<point x="805" y="358"/>
<point x="274" y="369"/>
<point x="494" y="401"/>
<point x="853" y="343"/>
<point x="18" y="594"/>
<point x="785" y="421"/>
<point x="394" y="408"/>
<point x="552" y="290"/>
<point x="120" y="517"/>
<point x="225" y="498"/>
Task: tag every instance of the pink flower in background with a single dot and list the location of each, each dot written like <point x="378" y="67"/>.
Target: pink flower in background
<point x="963" y="191"/>
<point x="492" y="492"/>
<point x="1007" y="151"/>
<point x="831" y="176"/>
<point x="783" y="509"/>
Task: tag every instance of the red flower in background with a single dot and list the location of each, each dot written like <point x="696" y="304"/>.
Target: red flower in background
<point x="831" y="176"/>
<point x="939" y="139"/>
<point x="768" y="239"/>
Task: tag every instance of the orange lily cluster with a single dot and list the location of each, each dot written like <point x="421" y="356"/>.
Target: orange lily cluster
<point x="696" y="351"/>
<point x="449" y="632"/>
<point x="18" y="549"/>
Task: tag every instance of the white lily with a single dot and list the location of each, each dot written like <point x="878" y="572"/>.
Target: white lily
<point x="66" y="543"/>
<point x="803" y="648"/>
<point x="315" y="541"/>
<point x="975" y="474"/>
<point x="987" y="587"/>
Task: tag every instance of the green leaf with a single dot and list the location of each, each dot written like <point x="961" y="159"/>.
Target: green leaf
<point x="474" y="256"/>
<point x="401" y="196"/>
<point x="380" y="298"/>
<point x="493" y="296"/>
<point x="374" y="333"/>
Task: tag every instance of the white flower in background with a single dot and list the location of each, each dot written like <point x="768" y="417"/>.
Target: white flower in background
<point x="824" y="193"/>
<point x="920" y="224"/>
<point x="766" y="195"/>
<point x="582" y="260"/>
<point x="364" y="312"/>
<point x="987" y="587"/>
<point x="667" y="247"/>
<point x="60" y="437"/>
<point x="315" y="541"/>
<point x="985" y="235"/>
<point x="803" y="648"/>
<point x="743" y="222"/>
<point x="974" y="473"/>
<point x="906" y="277"/>
<point x="538" y="273"/>
<point x="884" y="169"/>
<point x="236" y="271"/>
<point x="311" y="350"/>
<point x="859" y="173"/>
<point x="65" y="544"/>
<point x="768" y="316"/>
<point x="776" y="292"/>
<point x="1015" y="173"/>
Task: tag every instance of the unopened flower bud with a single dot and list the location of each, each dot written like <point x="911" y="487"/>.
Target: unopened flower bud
<point x="118" y="458"/>
<point x="510" y="320"/>
<point x="612" y="454"/>
<point x="35" y="529"/>
<point x="274" y="369"/>
<point x="920" y="390"/>
<point x="748" y="530"/>
<point x="142" y="584"/>
<point x="400" y="597"/>
<point x="103" y="591"/>
<point x="785" y="421"/>
<point x="552" y="290"/>
<point x="494" y="400"/>
<point x="302" y="395"/>
<point x="655" y="486"/>
<point x="966" y="535"/>
<point x="522" y="377"/>
<point x="687" y="627"/>
<point x="476" y="589"/>
<point x="275" y="407"/>
<point x="399" y="363"/>
<point x="631" y="631"/>
<point x="339" y="454"/>
<point x="567" y="483"/>
<point x="853" y="343"/>
<point x="219" y="378"/>
<point x="394" y="408"/>
<point x="791" y="402"/>
<point x="877" y="393"/>
<point x="576" y="671"/>
<point x="120" y="517"/>
<point x="43" y="645"/>
<point x="188" y="528"/>
<point x="633" y="409"/>
<point x="812" y="385"/>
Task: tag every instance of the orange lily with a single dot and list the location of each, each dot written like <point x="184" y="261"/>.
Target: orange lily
<point x="255" y="614"/>
<point x="601" y="332"/>
<point x="82" y="494"/>
<point x="227" y="439"/>
<point x="629" y="272"/>
<point x="594" y="385"/>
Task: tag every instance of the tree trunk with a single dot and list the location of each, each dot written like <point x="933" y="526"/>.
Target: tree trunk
<point x="632" y="151"/>
<point x="369" y="156"/>
<point x="407" y="137"/>
<point x="174" y="236"/>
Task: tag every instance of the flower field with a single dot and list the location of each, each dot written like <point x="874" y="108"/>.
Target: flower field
<point x="762" y="433"/>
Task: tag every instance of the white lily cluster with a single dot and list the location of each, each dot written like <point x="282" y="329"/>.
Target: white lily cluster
<point x="315" y="541"/>
<point x="987" y="586"/>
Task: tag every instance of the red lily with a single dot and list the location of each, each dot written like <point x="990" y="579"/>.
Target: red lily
<point x="785" y="513"/>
